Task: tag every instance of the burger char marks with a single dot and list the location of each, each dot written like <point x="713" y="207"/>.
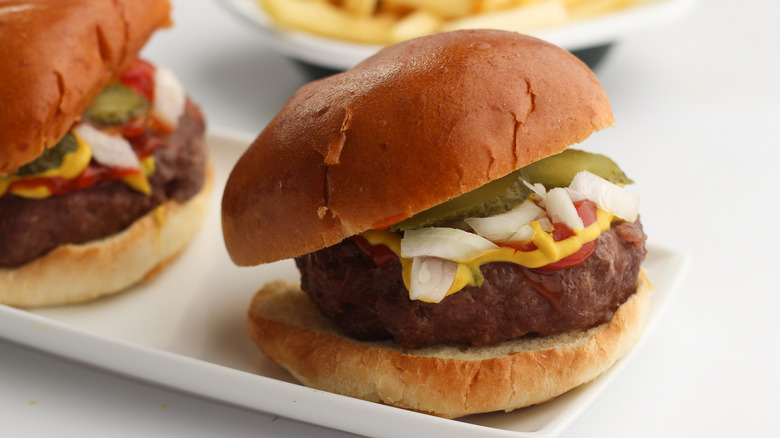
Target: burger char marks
<point x="371" y="303"/>
<point x="29" y="228"/>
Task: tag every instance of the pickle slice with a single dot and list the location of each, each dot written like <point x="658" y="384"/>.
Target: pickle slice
<point x="51" y="157"/>
<point x="495" y="197"/>
<point x="558" y="170"/>
<point x="116" y="104"/>
<point x="505" y="193"/>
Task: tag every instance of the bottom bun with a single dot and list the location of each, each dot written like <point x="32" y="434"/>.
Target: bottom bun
<point x="77" y="273"/>
<point x="445" y="381"/>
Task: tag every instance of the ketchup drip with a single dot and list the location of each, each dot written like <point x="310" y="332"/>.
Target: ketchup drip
<point x="381" y="255"/>
<point x="546" y="286"/>
<point x="140" y="77"/>
<point x="143" y="139"/>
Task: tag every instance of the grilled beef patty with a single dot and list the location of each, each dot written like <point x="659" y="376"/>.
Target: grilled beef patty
<point x="29" y="228"/>
<point x="371" y="303"/>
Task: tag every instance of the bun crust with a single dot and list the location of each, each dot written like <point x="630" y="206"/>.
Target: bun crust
<point x="55" y="57"/>
<point x="415" y="125"/>
<point x="77" y="273"/>
<point x="443" y="381"/>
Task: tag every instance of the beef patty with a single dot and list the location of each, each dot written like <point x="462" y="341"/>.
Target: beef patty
<point x="29" y="228"/>
<point x="371" y="303"/>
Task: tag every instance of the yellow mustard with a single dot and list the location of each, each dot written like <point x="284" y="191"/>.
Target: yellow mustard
<point x="139" y="181"/>
<point x="71" y="167"/>
<point x="468" y="274"/>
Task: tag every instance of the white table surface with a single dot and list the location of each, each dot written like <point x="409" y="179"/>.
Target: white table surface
<point x="698" y="110"/>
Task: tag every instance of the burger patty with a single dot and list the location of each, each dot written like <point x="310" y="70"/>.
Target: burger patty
<point x="371" y="303"/>
<point x="29" y="228"/>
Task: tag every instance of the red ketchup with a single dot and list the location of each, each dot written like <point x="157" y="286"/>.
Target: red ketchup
<point x="587" y="211"/>
<point x="140" y="77"/>
<point x="381" y="255"/>
<point x="60" y="186"/>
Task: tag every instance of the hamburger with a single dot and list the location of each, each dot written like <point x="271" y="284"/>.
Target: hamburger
<point x="103" y="167"/>
<point x="456" y="257"/>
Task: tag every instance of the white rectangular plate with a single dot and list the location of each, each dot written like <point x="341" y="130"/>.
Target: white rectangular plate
<point x="185" y="330"/>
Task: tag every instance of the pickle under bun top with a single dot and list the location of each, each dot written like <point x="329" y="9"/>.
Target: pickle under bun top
<point x="415" y="125"/>
<point x="55" y="57"/>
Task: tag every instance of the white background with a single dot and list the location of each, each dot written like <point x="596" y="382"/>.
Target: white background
<point x="698" y="109"/>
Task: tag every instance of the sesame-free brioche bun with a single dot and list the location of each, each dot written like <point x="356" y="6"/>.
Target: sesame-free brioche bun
<point x="55" y="58"/>
<point x="443" y="380"/>
<point x="445" y="113"/>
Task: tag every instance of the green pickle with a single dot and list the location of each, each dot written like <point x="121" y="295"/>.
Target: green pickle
<point x="509" y="191"/>
<point x="558" y="170"/>
<point x="116" y="104"/>
<point x="51" y="158"/>
<point x="495" y="197"/>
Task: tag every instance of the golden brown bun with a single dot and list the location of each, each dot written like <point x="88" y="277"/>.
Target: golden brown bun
<point x="444" y="381"/>
<point x="77" y="273"/>
<point x="417" y="124"/>
<point x="55" y="57"/>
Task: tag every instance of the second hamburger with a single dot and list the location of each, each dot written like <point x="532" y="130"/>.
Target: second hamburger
<point x="103" y="164"/>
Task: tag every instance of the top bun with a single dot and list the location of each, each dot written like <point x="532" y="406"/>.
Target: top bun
<point x="415" y="125"/>
<point x="55" y="57"/>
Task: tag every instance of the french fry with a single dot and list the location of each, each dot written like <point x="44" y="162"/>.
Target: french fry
<point x="592" y="8"/>
<point x="497" y="5"/>
<point x="390" y="21"/>
<point x="361" y="8"/>
<point x="415" y="25"/>
<point x="493" y="5"/>
<point x="443" y="8"/>
<point x="394" y="8"/>
<point x="325" y="19"/>
<point x="519" y="19"/>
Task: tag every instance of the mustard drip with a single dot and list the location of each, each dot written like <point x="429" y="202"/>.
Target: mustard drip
<point x="139" y="181"/>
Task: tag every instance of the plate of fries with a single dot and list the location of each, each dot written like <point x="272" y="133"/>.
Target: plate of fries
<point x="337" y="34"/>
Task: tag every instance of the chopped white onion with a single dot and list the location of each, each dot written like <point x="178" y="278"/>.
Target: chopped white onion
<point x="561" y="209"/>
<point x="608" y="196"/>
<point x="446" y="243"/>
<point x="574" y="195"/>
<point x="537" y="188"/>
<point x="169" y="96"/>
<point x="107" y="149"/>
<point x="501" y="227"/>
<point x="524" y="234"/>
<point x="545" y="224"/>
<point x="431" y="278"/>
